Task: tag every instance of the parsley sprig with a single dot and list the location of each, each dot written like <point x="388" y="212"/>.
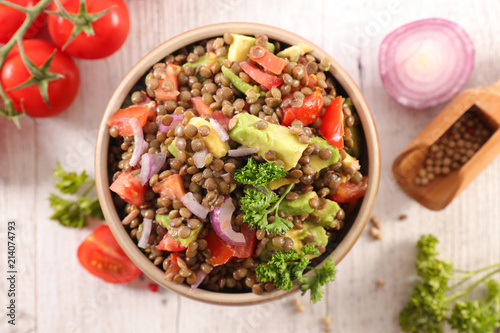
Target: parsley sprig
<point x="428" y="308"/>
<point x="72" y="213"/>
<point x="285" y="266"/>
<point x="259" y="201"/>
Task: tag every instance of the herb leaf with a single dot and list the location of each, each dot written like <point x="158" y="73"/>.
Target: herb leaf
<point x="259" y="174"/>
<point x="69" y="182"/>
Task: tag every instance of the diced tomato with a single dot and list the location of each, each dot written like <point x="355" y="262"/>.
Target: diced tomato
<point x="332" y="125"/>
<point x="307" y="113"/>
<point x="169" y="243"/>
<point x="121" y="117"/>
<point x="221" y="251"/>
<point x="267" y="80"/>
<point x="348" y="191"/>
<point x="103" y="257"/>
<point x="129" y="188"/>
<point x="153" y="287"/>
<point x="246" y="251"/>
<point x="174" y="268"/>
<point x="313" y="80"/>
<point x="268" y="61"/>
<point x="171" y="187"/>
<point x="171" y="72"/>
<point x="200" y="106"/>
<point x="221" y="118"/>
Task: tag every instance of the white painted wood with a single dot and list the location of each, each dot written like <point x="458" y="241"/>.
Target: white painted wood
<point x="57" y="295"/>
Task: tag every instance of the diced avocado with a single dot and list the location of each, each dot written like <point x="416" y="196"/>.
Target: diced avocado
<point x="207" y="58"/>
<point x="356" y="139"/>
<point x="350" y="162"/>
<point x="274" y="137"/>
<point x="316" y="162"/>
<point x="240" y="47"/>
<point x="212" y="141"/>
<point x="239" y="84"/>
<point x="326" y="216"/>
<point x="172" y="148"/>
<point x="294" y="52"/>
<point x="300" y="206"/>
<point x="165" y="221"/>
<point x="282" y="182"/>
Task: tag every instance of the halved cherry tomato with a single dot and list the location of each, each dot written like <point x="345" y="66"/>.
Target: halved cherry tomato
<point x="174" y="268"/>
<point x="348" y="191"/>
<point x="171" y="187"/>
<point x="332" y="125"/>
<point x="169" y="243"/>
<point x="121" y="118"/>
<point x="246" y="251"/>
<point x="171" y="72"/>
<point x="267" y="80"/>
<point x="129" y="188"/>
<point x="307" y="113"/>
<point x="200" y="106"/>
<point x="267" y="60"/>
<point x="221" y="251"/>
<point x="13" y="18"/>
<point x="221" y="118"/>
<point x="103" y="257"/>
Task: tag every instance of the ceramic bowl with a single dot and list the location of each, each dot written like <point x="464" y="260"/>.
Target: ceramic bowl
<point x="370" y="161"/>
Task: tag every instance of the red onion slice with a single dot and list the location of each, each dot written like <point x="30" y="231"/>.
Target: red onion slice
<point x="200" y="276"/>
<point x="425" y="63"/>
<point x="139" y="143"/>
<point x="157" y="162"/>
<point x="194" y="206"/>
<point x="200" y="158"/>
<point x="220" y="130"/>
<point x="147" y="224"/>
<point x="242" y="152"/>
<point x="220" y="218"/>
<point x="150" y="165"/>
<point x="177" y="119"/>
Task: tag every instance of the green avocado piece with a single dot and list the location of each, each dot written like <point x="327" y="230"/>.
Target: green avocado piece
<point x="241" y="45"/>
<point x="300" y="206"/>
<point x="164" y="220"/>
<point x="326" y="216"/>
<point x="294" y="52"/>
<point x="172" y="148"/>
<point x="239" y="84"/>
<point x="207" y="58"/>
<point x="350" y="162"/>
<point x="355" y="131"/>
<point x="316" y="162"/>
<point x="274" y="137"/>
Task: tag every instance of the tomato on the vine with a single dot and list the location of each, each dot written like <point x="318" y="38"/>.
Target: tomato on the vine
<point x="61" y="91"/>
<point x="110" y="30"/>
<point x="12" y="19"/>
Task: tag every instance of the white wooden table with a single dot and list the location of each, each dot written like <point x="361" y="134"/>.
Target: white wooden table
<point x="55" y="294"/>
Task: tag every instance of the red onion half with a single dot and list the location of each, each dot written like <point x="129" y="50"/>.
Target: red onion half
<point x="425" y="63"/>
<point x="220" y="218"/>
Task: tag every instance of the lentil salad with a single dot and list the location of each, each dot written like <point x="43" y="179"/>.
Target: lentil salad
<point x="180" y="106"/>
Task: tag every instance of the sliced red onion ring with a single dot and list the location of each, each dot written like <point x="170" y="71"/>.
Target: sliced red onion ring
<point x="139" y="143"/>
<point x="242" y="152"/>
<point x="425" y="63"/>
<point x="200" y="157"/>
<point x="150" y="165"/>
<point x="220" y="218"/>
<point x="200" y="276"/>
<point x="194" y="207"/>
<point x="177" y="119"/>
<point x="220" y="130"/>
<point x="147" y="224"/>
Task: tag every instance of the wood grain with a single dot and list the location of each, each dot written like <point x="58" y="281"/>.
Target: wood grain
<point x="57" y="295"/>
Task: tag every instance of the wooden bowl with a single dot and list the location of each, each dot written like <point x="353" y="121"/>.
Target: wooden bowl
<point x="352" y="228"/>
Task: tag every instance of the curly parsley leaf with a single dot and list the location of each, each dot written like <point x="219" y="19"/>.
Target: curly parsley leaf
<point x="259" y="174"/>
<point x="72" y="213"/>
<point x="315" y="284"/>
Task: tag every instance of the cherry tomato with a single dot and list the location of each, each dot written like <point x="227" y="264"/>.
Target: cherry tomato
<point x="12" y="19"/>
<point x="129" y="188"/>
<point x="173" y="268"/>
<point x="220" y="250"/>
<point x="110" y="30"/>
<point x="267" y="80"/>
<point x="121" y="118"/>
<point x="103" y="257"/>
<point x="332" y="126"/>
<point x="307" y="113"/>
<point x="169" y="243"/>
<point x="61" y="91"/>
<point x="171" y="187"/>
<point x="246" y="251"/>
<point x="348" y="191"/>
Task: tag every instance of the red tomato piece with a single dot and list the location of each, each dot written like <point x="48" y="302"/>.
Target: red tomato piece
<point x="200" y="106"/>
<point x="110" y="30"/>
<point x="221" y="251"/>
<point x="12" y="19"/>
<point x="267" y="60"/>
<point x="348" y="191"/>
<point x="313" y="80"/>
<point x="246" y="251"/>
<point x="129" y="188"/>
<point x="103" y="257"/>
<point x="267" y="80"/>
<point x="171" y="187"/>
<point x="169" y="243"/>
<point x="221" y="118"/>
<point x="174" y="268"/>
<point x="61" y="92"/>
<point x="307" y="113"/>
<point x="121" y="118"/>
<point x="171" y="72"/>
<point x="332" y="125"/>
